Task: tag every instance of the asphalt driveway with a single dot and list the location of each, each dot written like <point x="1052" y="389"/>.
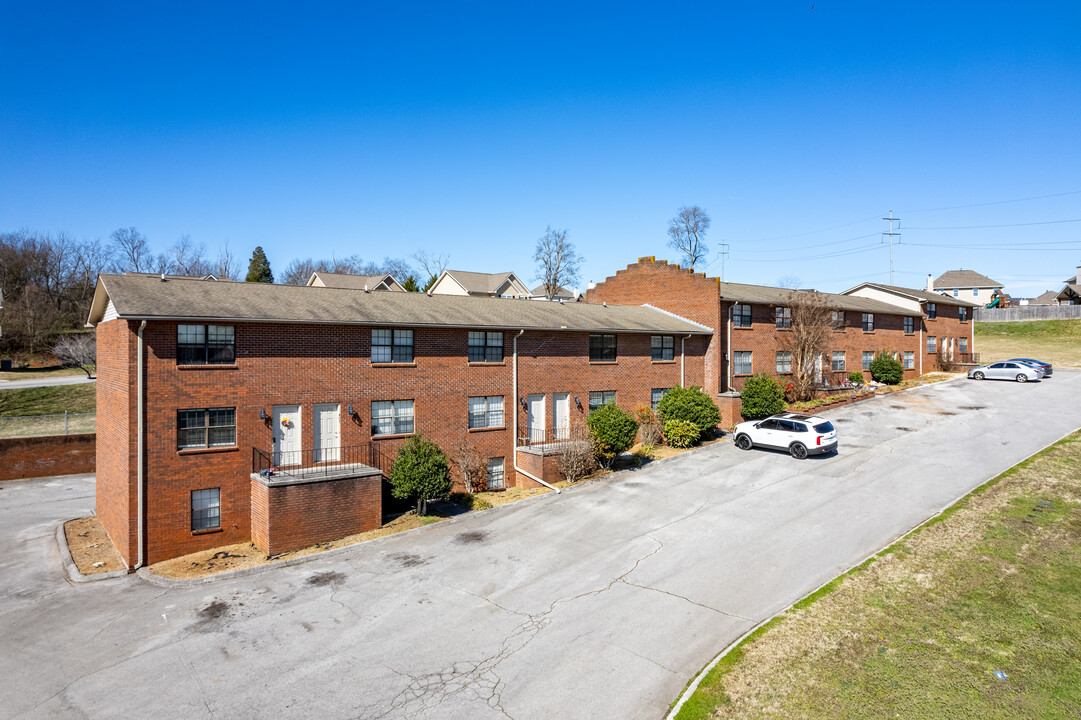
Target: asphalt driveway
<point x="601" y="602"/>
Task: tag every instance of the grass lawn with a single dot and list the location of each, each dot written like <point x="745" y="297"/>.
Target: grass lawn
<point x="991" y="585"/>
<point x="1055" y="341"/>
<point x="49" y="400"/>
<point x="34" y="373"/>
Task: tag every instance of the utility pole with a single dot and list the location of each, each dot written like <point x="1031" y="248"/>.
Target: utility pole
<point x="723" y="254"/>
<point x="891" y="234"/>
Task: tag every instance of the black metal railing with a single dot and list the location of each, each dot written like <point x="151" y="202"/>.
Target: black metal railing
<point x="319" y="461"/>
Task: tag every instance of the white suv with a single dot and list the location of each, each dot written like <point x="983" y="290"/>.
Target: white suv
<point x="800" y="435"/>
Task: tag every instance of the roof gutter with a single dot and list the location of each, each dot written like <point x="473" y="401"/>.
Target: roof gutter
<point x="514" y="424"/>
<point x="140" y="443"/>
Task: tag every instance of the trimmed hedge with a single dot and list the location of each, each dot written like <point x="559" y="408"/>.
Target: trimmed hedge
<point x="762" y="396"/>
<point x="421" y="472"/>
<point x="680" y="433"/>
<point x="885" y="368"/>
<point x="690" y="405"/>
<point x="612" y="430"/>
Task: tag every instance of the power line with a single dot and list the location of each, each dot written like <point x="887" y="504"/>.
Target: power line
<point x="835" y="242"/>
<point x="995" y="202"/>
<point x="978" y="227"/>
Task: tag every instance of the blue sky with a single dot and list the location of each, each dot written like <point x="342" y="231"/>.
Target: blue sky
<point x="381" y="129"/>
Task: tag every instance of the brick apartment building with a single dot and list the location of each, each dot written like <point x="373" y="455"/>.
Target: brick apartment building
<point x="202" y="384"/>
<point x="751" y="322"/>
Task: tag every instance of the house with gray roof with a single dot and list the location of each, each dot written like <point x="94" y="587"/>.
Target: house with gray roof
<point x="372" y="283"/>
<point x="461" y="282"/>
<point x="965" y="284"/>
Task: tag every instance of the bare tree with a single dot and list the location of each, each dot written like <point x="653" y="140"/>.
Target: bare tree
<point x="397" y="267"/>
<point x="79" y="351"/>
<point x="576" y="457"/>
<point x="472" y="465"/>
<point x="227" y="266"/>
<point x="298" y="271"/>
<point x="431" y="264"/>
<point x="809" y="337"/>
<point x="132" y="251"/>
<point x="789" y="282"/>
<point x="36" y="319"/>
<point x="188" y="258"/>
<point x="557" y="261"/>
<point x="687" y="232"/>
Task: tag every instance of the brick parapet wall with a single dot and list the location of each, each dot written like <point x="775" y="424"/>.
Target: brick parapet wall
<point x="33" y="457"/>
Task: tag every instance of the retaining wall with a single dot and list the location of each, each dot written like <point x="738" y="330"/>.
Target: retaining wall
<point x="49" y="455"/>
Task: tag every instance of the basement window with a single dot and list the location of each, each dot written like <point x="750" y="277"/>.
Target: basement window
<point x="206" y="509"/>
<point x="496" y="479"/>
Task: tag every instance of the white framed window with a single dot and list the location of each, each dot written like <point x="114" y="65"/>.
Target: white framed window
<point x="206" y="509"/>
<point x="655" y="397"/>
<point x="741" y="362"/>
<point x="662" y="347"/>
<point x="783" y="316"/>
<point x="975" y="292"/>
<point x="910" y="360"/>
<point x="838" y="361"/>
<point x="392" y="417"/>
<point x="868" y="322"/>
<point x="962" y="345"/>
<point x="496" y="478"/>
<point x="868" y="358"/>
<point x="486" y="411"/>
<point x="485" y="346"/>
<point x="205" y="428"/>
<point x="955" y="292"/>
<point x="932" y="345"/>
<point x="784" y="361"/>
<point x="600" y="398"/>
<point x="741" y="316"/>
<point x="392" y="346"/>
<point x="910" y="325"/>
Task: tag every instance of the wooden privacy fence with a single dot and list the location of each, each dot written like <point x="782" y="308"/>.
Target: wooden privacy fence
<point x="1027" y="312"/>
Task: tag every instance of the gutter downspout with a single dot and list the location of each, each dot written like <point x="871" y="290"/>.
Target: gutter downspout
<point x="728" y="350"/>
<point x="514" y="402"/>
<point x="682" y="359"/>
<point x="140" y="449"/>
<point x="922" y="348"/>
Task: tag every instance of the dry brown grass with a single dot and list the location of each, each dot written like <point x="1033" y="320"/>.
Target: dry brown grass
<point x="90" y="546"/>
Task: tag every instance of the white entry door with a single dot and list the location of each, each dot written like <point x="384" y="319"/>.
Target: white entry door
<point x="327" y="445"/>
<point x="286" y="428"/>
<point x="535" y="419"/>
<point x="561" y="415"/>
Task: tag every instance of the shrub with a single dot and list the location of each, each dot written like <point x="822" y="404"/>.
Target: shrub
<point x="649" y="429"/>
<point x="690" y="405"/>
<point x="613" y="431"/>
<point x="855" y="377"/>
<point x="887" y="369"/>
<point x="469" y="501"/>
<point x="646" y="451"/>
<point x="421" y="472"/>
<point x="680" y="433"/>
<point x="576" y="459"/>
<point x="762" y="396"/>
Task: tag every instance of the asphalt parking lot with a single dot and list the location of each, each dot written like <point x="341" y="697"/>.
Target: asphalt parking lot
<point x="600" y="602"/>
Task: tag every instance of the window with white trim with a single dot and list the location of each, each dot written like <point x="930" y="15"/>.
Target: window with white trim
<point x="206" y="509"/>
<point x="600" y="398"/>
<point x="962" y="345"/>
<point x="486" y="411"/>
<point x="655" y="397"/>
<point x="741" y="316"/>
<point x="741" y="364"/>
<point x="662" y="347"/>
<point x="955" y="291"/>
<point x="205" y="428"/>
<point x="976" y="292"/>
<point x="868" y="358"/>
<point x="931" y="344"/>
<point x="910" y="359"/>
<point x="392" y="417"/>
<point x="205" y="345"/>
<point x="784" y="361"/>
<point x="485" y="346"/>
<point x="496" y="478"/>
<point x="392" y="345"/>
<point x="838" y="361"/>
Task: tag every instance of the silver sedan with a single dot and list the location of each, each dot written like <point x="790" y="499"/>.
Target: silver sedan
<point x="1006" y="371"/>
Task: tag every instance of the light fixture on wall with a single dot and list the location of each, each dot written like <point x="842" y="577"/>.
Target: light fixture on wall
<point x="521" y="401"/>
<point x="578" y="403"/>
<point x="350" y="411"/>
<point x="262" y="414"/>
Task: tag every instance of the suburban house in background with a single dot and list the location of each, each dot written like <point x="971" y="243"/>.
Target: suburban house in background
<point x="1050" y="297"/>
<point x="204" y="387"/>
<point x="965" y="285"/>
<point x="1071" y="294"/>
<point x="560" y="293"/>
<point x="460" y="282"/>
<point x="355" y="282"/>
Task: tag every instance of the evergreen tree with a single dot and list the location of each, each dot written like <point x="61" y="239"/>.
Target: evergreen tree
<point x="410" y="284"/>
<point x="259" y="267"/>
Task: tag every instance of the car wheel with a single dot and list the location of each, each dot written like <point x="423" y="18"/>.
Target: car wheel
<point x="798" y="451"/>
<point x="977" y="376"/>
<point x="744" y="443"/>
<point x="1021" y="377"/>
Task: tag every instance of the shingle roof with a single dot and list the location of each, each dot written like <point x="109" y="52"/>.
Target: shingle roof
<point x="560" y="291"/>
<point x="1045" y="298"/>
<point x="475" y="282"/>
<point x="964" y="279"/>
<point x="764" y="294"/>
<point x="356" y="282"/>
<point x="923" y="295"/>
<point x="150" y="298"/>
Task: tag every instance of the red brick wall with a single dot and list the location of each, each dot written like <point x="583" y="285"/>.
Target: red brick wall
<point x="116" y="436"/>
<point x="682" y="292"/>
<point x="280" y="364"/>
<point x="546" y="467"/>
<point x="947" y="324"/>
<point x="291" y="517"/>
<point x="43" y="456"/>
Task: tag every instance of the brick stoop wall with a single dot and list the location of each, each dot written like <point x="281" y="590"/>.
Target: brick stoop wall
<point x="544" y="465"/>
<point x="289" y="516"/>
<point x="33" y="457"/>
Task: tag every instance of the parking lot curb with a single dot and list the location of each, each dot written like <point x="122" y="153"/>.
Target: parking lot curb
<point x="71" y="568"/>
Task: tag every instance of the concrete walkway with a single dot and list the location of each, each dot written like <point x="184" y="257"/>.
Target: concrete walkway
<point x="601" y="602"/>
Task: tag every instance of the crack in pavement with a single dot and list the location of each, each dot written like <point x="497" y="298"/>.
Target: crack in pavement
<point x="126" y="612"/>
<point x="687" y="599"/>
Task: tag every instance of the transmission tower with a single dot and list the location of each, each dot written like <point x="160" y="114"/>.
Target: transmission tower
<point x="891" y="235"/>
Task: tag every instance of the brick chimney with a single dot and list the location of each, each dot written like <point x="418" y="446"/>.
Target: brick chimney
<point x="930" y="283"/>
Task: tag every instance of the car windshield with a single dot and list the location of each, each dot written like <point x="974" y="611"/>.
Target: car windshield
<point x="824" y="427"/>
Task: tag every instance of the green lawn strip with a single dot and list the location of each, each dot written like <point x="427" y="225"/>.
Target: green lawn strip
<point x="1034" y="329"/>
<point x="920" y="636"/>
<point x="54" y="400"/>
